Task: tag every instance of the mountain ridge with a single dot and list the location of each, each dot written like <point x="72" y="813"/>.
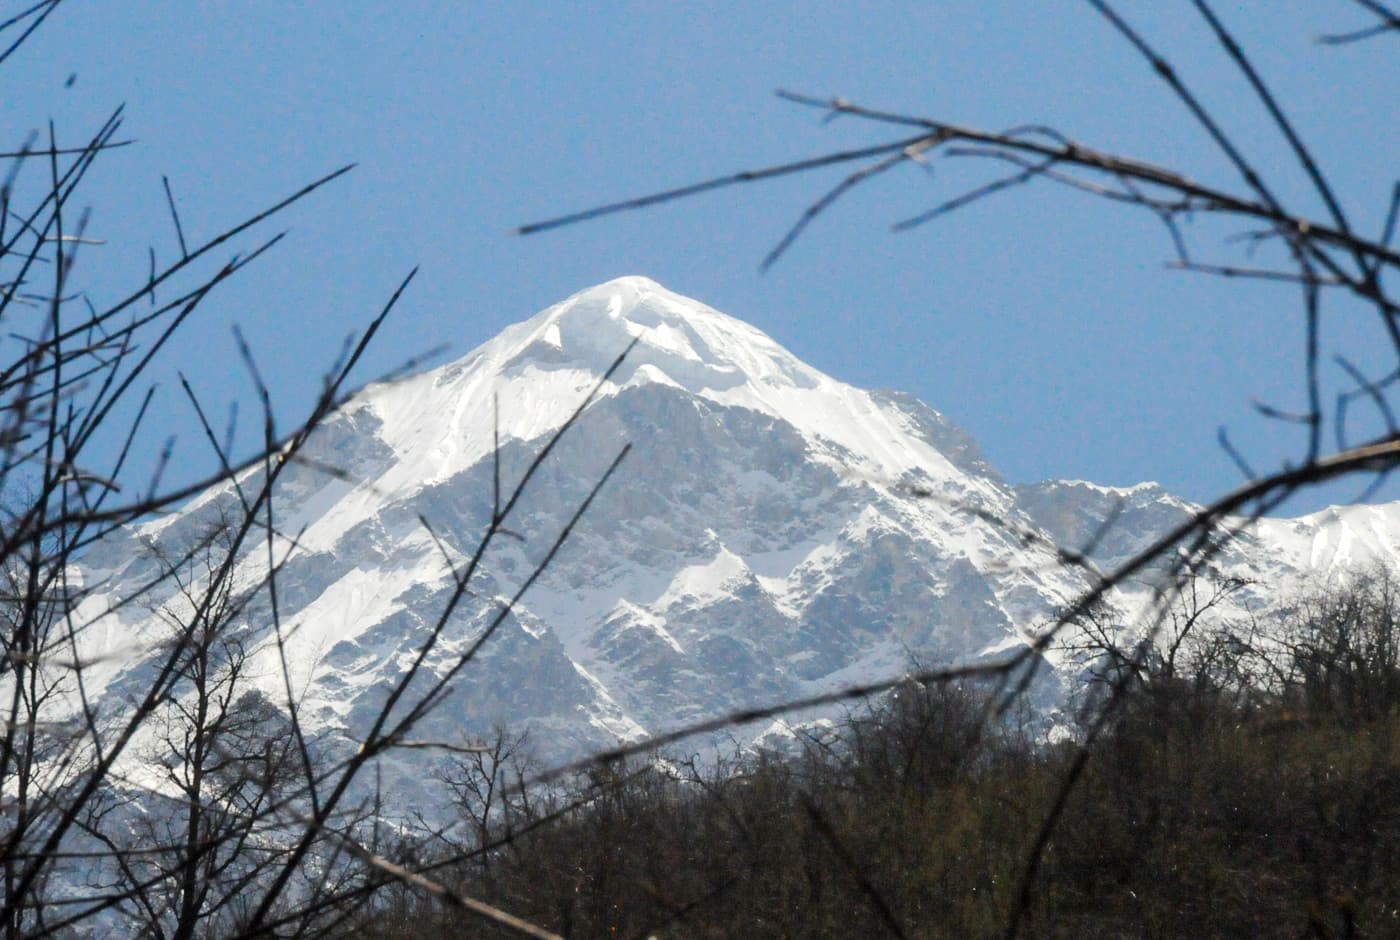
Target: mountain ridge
<point x="774" y="533"/>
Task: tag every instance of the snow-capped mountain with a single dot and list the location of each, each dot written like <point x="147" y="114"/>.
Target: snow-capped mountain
<point x="772" y="533"/>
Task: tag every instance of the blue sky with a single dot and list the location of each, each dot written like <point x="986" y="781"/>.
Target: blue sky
<point x="1042" y="321"/>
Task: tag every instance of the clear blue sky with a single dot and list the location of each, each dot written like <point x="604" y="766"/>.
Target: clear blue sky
<point x="1042" y="321"/>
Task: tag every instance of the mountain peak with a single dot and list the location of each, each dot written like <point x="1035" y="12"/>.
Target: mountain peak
<point x="680" y="341"/>
<point x="628" y="289"/>
<point x="533" y="375"/>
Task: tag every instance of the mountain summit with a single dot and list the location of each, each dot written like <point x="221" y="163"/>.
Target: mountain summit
<point x="679" y="341"/>
<point x="539" y="371"/>
<point x="773" y="533"/>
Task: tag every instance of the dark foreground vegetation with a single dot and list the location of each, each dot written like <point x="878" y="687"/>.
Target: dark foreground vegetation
<point x="1244" y="789"/>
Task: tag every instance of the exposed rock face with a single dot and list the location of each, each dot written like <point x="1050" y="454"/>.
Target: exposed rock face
<point x="773" y="533"/>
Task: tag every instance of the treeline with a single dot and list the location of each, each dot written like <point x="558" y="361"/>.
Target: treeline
<point x="1216" y="783"/>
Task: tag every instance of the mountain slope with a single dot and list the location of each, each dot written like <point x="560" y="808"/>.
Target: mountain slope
<point x="773" y="533"/>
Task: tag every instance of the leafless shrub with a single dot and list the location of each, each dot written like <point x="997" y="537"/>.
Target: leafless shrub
<point x="203" y="807"/>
